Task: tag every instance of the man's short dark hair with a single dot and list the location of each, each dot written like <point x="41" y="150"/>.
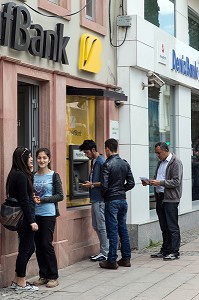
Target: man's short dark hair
<point x="88" y="145"/>
<point x="163" y="146"/>
<point x="111" y="144"/>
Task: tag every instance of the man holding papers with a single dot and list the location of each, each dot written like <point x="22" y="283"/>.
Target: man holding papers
<point x="167" y="184"/>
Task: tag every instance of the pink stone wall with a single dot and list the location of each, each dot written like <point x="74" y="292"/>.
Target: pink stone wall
<point x="74" y="237"/>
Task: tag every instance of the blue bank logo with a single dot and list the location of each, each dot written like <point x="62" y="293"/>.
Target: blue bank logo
<point x="182" y="65"/>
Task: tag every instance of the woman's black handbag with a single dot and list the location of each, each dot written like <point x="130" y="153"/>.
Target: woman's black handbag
<point x="11" y="214"/>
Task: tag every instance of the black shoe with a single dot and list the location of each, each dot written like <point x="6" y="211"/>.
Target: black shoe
<point x="99" y="257"/>
<point x="124" y="262"/>
<point x="108" y="265"/>
<point x="158" y="255"/>
<point x="171" y="256"/>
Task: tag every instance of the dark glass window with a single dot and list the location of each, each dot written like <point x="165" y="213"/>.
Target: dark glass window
<point x="90" y="8"/>
<point x="161" y="126"/>
<point x="195" y="145"/>
<point x="193" y="20"/>
<point x="161" y="14"/>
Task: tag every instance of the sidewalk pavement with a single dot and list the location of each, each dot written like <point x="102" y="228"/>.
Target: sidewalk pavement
<point x="147" y="279"/>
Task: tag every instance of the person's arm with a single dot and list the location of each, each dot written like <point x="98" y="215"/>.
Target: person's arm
<point x="57" y="192"/>
<point x="105" y="178"/>
<point x="130" y="183"/>
<point x="23" y="196"/>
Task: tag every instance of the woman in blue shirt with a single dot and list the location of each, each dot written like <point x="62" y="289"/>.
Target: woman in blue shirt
<point x="48" y="192"/>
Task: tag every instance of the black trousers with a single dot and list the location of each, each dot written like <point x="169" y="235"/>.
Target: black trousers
<point x="45" y="252"/>
<point x="26" y="247"/>
<point x="168" y="219"/>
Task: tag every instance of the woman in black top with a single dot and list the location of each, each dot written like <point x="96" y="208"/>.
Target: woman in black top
<point x="19" y="185"/>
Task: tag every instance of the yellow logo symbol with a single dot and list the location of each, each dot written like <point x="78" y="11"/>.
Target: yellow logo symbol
<point x="90" y="50"/>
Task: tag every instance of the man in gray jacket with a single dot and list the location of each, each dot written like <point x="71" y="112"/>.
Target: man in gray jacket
<point x="168" y="191"/>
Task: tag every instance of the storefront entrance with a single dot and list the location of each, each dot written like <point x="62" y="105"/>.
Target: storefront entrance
<point x="28" y="116"/>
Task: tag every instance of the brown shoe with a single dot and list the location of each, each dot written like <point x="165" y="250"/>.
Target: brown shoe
<point x="108" y="265"/>
<point x="52" y="283"/>
<point x="124" y="262"/>
<point x="40" y="281"/>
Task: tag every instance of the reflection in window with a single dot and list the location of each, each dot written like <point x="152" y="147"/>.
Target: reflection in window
<point x="90" y="9"/>
<point x="195" y="145"/>
<point x="160" y="114"/>
<point x="161" y="14"/>
<point x="193" y="21"/>
<point x="54" y="1"/>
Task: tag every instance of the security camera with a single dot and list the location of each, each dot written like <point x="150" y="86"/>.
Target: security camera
<point x="118" y="103"/>
<point x="154" y="80"/>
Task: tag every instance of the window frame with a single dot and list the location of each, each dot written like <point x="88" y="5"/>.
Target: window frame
<point x="195" y="17"/>
<point x="99" y="24"/>
<point x="56" y="9"/>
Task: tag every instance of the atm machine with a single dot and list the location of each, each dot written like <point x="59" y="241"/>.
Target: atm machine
<point x="78" y="173"/>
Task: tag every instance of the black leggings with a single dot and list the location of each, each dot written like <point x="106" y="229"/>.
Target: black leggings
<point x="26" y="248"/>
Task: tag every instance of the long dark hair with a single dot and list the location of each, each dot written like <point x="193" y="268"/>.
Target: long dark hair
<point x="47" y="152"/>
<point x="20" y="162"/>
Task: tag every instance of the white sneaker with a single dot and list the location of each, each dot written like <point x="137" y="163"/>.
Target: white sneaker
<point x="13" y="285"/>
<point x="28" y="287"/>
<point x="99" y="257"/>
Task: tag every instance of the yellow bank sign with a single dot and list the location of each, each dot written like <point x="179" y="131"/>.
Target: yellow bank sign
<point x="90" y="50"/>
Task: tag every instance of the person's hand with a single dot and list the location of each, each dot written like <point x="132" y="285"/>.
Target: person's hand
<point x="34" y="226"/>
<point x="87" y="184"/>
<point x="36" y="199"/>
<point x="155" y="182"/>
<point x="145" y="182"/>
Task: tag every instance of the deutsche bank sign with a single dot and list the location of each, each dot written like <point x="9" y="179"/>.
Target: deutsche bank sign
<point x="18" y="32"/>
<point x="182" y="65"/>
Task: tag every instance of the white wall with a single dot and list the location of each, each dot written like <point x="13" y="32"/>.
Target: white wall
<point x="135" y="57"/>
<point x="183" y="142"/>
<point x="133" y="142"/>
<point x="181" y="15"/>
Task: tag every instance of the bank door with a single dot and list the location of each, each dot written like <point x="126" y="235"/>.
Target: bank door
<point x="28" y="116"/>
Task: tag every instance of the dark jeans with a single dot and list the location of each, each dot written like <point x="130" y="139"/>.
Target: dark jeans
<point x="115" y="217"/>
<point x="45" y="252"/>
<point x="26" y="247"/>
<point x="168" y="218"/>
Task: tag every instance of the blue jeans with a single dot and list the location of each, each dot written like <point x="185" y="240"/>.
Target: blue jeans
<point x="115" y="216"/>
<point x="98" y="222"/>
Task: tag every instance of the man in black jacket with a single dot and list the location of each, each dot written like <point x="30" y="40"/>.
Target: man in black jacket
<point x="117" y="178"/>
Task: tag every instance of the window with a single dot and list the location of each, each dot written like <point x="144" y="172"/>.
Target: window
<point x="54" y="1"/>
<point x="93" y="16"/>
<point x="161" y="14"/>
<point x="90" y="9"/>
<point x="160" y="116"/>
<point x="57" y="7"/>
<point x="195" y="145"/>
<point x="193" y="22"/>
